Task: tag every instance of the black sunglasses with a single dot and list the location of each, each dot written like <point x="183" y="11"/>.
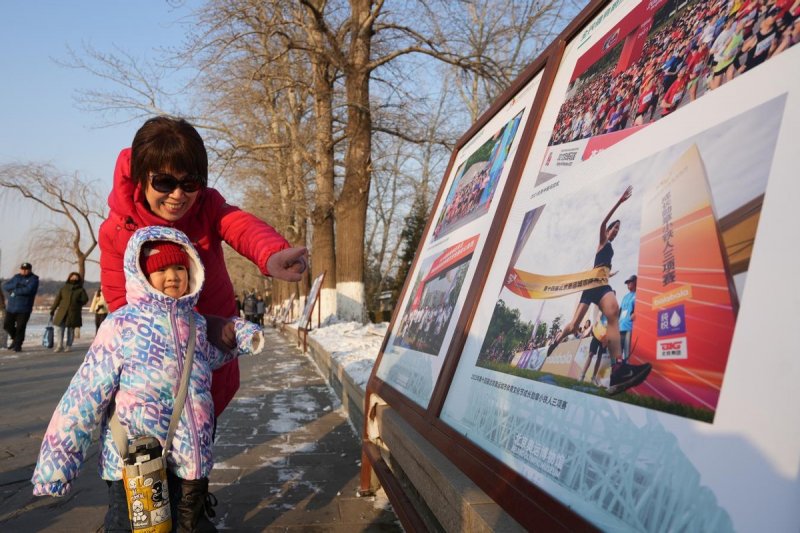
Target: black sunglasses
<point x="168" y="183"/>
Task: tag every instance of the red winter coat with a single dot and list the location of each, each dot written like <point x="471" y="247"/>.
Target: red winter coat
<point x="209" y="222"/>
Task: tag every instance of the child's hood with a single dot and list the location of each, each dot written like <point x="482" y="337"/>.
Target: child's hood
<point x="136" y="285"/>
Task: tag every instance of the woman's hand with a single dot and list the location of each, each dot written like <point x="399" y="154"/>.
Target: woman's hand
<point x="627" y="194"/>
<point x="288" y="264"/>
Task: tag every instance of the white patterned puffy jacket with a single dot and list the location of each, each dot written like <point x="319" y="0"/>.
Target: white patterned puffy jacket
<point x="137" y="359"/>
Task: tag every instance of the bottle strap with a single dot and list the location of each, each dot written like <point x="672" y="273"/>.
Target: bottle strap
<point x="119" y="434"/>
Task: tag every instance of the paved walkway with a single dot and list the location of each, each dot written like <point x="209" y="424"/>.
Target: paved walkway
<point x="287" y="458"/>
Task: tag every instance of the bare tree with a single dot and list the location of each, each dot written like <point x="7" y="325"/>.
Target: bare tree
<point x="506" y="36"/>
<point x="405" y="180"/>
<point x="284" y="89"/>
<point x="374" y="37"/>
<point x="323" y="76"/>
<point x="77" y="204"/>
<point x="392" y="187"/>
<point x="256" y="96"/>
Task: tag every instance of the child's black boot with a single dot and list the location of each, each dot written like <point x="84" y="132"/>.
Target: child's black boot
<point x="192" y="507"/>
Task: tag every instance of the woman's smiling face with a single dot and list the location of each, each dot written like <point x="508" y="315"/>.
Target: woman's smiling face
<point x="170" y="206"/>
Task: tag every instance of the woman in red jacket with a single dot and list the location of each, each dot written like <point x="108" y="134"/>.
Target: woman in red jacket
<point x="162" y="180"/>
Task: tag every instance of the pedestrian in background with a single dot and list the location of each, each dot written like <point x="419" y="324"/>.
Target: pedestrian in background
<point x="21" y="291"/>
<point x="627" y="315"/>
<point x="261" y="308"/>
<point x="3" y="334"/>
<point x="249" y="306"/>
<point x="99" y="308"/>
<point x="66" y="310"/>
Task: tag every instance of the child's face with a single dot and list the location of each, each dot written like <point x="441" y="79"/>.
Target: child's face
<point x="172" y="280"/>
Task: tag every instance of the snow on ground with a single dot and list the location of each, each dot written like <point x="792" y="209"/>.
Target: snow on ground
<point x="354" y="346"/>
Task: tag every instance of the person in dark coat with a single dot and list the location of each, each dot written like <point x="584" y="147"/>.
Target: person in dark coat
<point x="3" y="334"/>
<point x="21" y="291"/>
<point x="249" y="306"/>
<point x="261" y="308"/>
<point x="66" y="310"/>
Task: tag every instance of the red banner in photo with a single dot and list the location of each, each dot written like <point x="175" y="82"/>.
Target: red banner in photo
<point x="631" y="30"/>
<point x="598" y="143"/>
<point x="685" y="302"/>
<point x="447" y="258"/>
<point x="452" y="256"/>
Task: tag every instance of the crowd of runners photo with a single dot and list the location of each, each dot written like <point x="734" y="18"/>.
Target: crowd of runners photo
<point x="701" y="47"/>
<point x="424" y="325"/>
<point x="465" y="200"/>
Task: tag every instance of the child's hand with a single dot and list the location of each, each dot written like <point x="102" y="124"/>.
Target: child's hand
<point x="221" y="332"/>
<point x="288" y="264"/>
<point x="257" y="343"/>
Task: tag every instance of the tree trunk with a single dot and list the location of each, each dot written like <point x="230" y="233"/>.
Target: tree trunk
<point x="323" y="245"/>
<point x="351" y="209"/>
<point x="299" y="214"/>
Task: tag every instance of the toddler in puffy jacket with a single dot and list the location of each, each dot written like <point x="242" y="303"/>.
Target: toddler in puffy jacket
<point x="137" y="360"/>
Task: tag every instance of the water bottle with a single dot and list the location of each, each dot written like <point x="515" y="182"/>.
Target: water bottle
<point x="145" y="478"/>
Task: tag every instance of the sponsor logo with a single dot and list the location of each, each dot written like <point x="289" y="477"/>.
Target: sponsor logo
<point x="568" y="155"/>
<point x="610" y="40"/>
<point x="674" y="348"/>
<point x="644" y="29"/>
<point x="672" y="321"/>
<point x="678" y="294"/>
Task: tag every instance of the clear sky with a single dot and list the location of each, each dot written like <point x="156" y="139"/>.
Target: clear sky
<point x="39" y="118"/>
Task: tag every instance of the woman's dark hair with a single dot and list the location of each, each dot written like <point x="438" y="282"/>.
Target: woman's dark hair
<point x="613" y="223"/>
<point x="77" y="275"/>
<point x="168" y="143"/>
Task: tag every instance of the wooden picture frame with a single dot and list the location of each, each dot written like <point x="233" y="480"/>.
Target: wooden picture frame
<point x="742" y="159"/>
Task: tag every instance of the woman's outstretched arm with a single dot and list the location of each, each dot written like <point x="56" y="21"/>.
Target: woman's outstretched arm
<point x="603" y="229"/>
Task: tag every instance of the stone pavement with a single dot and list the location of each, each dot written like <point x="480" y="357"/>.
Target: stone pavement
<point x="287" y="457"/>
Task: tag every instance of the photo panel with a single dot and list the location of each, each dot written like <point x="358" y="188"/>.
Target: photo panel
<point x="311" y="299"/>
<point x="667" y="252"/>
<point x="446" y="259"/>
<point x="434" y="295"/>
<point x="473" y="188"/>
<point x="638" y="62"/>
<point x="614" y="358"/>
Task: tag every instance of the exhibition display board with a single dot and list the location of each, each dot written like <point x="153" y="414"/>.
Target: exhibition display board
<point x="593" y="329"/>
<point x="304" y="323"/>
<point x="312" y="298"/>
<point x="477" y="177"/>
